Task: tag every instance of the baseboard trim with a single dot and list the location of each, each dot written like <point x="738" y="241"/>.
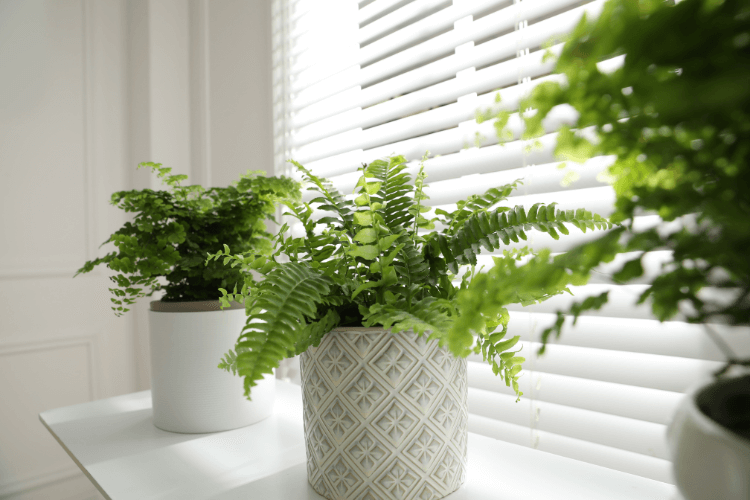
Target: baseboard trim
<point x="8" y="488"/>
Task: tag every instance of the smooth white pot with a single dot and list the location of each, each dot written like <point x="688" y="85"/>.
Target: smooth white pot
<point x="189" y="393"/>
<point x="385" y="416"/>
<point x="709" y="461"/>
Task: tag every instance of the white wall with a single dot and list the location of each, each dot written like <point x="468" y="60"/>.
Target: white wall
<point x="88" y="89"/>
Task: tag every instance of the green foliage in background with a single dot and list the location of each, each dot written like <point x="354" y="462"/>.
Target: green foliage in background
<point x="173" y="231"/>
<point x="386" y="259"/>
<point x="676" y="116"/>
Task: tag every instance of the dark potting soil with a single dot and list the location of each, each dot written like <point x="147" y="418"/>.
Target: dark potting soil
<point x="727" y="402"/>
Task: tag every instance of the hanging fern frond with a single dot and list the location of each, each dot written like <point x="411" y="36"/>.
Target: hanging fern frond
<point x="229" y="361"/>
<point x="475" y="204"/>
<point x="488" y="229"/>
<point x="288" y="297"/>
<point x="425" y="316"/>
<point x="313" y="333"/>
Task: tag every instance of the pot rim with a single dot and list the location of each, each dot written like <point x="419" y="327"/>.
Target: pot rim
<point x="192" y="306"/>
<point x="706" y="423"/>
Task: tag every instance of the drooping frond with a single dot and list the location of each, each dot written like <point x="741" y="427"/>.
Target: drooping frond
<point x="426" y="316"/>
<point x="229" y="361"/>
<point x="475" y="204"/>
<point x="313" y="333"/>
<point x="488" y="229"/>
<point x="287" y="298"/>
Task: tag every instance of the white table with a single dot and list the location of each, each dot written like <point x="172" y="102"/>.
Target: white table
<point x="115" y="444"/>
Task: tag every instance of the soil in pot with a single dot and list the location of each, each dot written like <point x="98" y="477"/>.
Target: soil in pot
<point x="727" y="402"/>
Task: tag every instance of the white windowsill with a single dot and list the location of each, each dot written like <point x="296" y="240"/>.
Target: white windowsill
<point x="115" y="444"/>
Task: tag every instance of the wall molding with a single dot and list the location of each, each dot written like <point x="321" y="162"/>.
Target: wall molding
<point x="200" y="97"/>
<point x="11" y="347"/>
<point x="90" y="341"/>
<point x="8" y="488"/>
<point x="89" y="189"/>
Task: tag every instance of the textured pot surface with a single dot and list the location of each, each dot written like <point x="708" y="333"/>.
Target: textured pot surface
<point x="709" y="461"/>
<point x="385" y="416"/>
<point x="189" y="393"/>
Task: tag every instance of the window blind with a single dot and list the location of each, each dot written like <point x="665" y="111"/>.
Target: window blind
<point x="355" y="82"/>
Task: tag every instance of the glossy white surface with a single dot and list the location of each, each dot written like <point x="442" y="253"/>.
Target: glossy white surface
<point x="116" y="444"/>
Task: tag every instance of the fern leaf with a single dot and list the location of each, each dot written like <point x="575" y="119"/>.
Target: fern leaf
<point x="313" y="333"/>
<point x="394" y="189"/>
<point x="411" y="266"/>
<point x="287" y="298"/>
<point x="487" y="229"/>
<point x="229" y="361"/>
<point x="476" y="204"/>
<point x="331" y="200"/>
<point x="425" y="316"/>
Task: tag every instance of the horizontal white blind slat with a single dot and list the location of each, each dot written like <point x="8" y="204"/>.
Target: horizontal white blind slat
<point x="412" y="11"/>
<point x="537" y="179"/>
<point x="485" y="80"/>
<point x="640" y="403"/>
<point x="605" y="456"/>
<point x="638" y="436"/>
<point x="425" y="28"/>
<point x="442" y="45"/>
<point x="492" y="51"/>
<point x="665" y="373"/>
<point x="368" y="12"/>
<point x="668" y="338"/>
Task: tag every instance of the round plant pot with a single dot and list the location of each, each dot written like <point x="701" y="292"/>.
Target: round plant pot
<point x="385" y="416"/>
<point x="709" y="460"/>
<point x="190" y="394"/>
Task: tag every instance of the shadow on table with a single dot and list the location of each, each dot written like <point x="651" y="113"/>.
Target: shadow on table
<point x="288" y="484"/>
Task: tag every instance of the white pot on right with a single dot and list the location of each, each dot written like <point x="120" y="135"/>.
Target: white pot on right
<point x="710" y="462"/>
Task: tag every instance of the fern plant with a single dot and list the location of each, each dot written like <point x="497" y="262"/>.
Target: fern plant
<point x="173" y="230"/>
<point x="384" y="258"/>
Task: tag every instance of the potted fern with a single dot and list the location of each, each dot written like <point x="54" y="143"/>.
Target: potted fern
<point x="163" y="249"/>
<point x="368" y="298"/>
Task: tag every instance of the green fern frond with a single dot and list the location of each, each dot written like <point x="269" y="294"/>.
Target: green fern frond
<point x="393" y="193"/>
<point x="288" y="297"/>
<point x="411" y="266"/>
<point x="475" y="204"/>
<point x="313" y="333"/>
<point x="488" y="229"/>
<point x="331" y="200"/>
<point x="229" y="361"/>
<point x="425" y="316"/>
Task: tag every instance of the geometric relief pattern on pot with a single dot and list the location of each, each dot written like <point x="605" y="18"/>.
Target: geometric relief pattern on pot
<point x="385" y="416"/>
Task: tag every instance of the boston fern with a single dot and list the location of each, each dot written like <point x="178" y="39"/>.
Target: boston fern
<point x="378" y="260"/>
<point x="174" y="230"/>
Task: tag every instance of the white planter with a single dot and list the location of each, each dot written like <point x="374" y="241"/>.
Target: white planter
<point x="709" y="461"/>
<point x="189" y="393"/>
<point x="385" y="416"/>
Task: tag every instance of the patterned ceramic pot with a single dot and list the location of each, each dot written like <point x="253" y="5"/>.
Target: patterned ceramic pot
<point x="385" y="416"/>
